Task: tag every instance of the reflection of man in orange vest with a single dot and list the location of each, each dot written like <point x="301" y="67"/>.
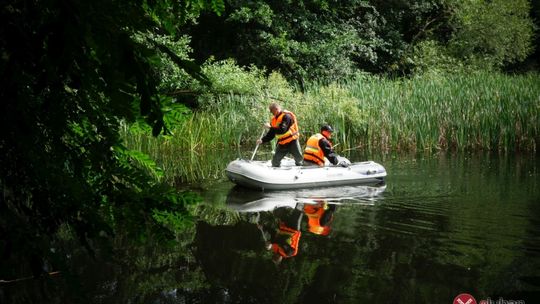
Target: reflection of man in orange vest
<point x="286" y="238"/>
<point x="319" y="146"/>
<point x="285" y="242"/>
<point x="284" y="127"/>
<point x="320" y="216"/>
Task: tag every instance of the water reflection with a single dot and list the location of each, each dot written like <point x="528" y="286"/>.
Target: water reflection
<point x="247" y="200"/>
<point x="282" y="216"/>
<point x="320" y="217"/>
<point x="281" y="233"/>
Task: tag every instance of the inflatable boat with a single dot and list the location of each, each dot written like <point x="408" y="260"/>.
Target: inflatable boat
<point x="261" y="174"/>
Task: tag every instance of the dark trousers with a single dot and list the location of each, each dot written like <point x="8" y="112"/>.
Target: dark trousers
<point x="281" y="150"/>
<point x="290" y="217"/>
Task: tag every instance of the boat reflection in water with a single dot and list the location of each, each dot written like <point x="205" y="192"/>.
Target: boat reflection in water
<point x="247" y="200"/>
<point x="279" y="215"/>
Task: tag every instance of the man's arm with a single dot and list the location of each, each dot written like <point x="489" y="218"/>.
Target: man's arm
<point x="328" y="151"/>
<point x="269" y="135"/>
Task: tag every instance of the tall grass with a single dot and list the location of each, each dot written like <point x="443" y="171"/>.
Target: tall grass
<point x="482" y="111"/>
<point x="461" y="112"/>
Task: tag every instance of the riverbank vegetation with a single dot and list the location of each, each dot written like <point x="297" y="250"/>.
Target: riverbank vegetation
<point x="103" y="102"/>
<point x="414" y="76"/>
<point x="433" y="112"/>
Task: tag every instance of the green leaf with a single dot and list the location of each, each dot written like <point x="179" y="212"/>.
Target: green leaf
<point x="193" y="69"/>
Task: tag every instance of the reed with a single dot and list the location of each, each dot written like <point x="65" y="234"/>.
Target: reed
<point x="481" y="111"/>
<point x="462" y="112"/>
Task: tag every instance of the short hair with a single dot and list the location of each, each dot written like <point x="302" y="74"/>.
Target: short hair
<point x="273" y="105"/>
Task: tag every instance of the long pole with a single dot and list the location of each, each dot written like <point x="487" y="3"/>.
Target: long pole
<point x="257" y="146"/>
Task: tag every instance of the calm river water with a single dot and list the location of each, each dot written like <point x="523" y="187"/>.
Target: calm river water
<point x="440" y="226"/>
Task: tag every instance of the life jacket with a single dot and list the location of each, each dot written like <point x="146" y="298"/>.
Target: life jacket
<point x="291" y="134"/>
<point x="292" y="236"/>
<point x="313" y="151"/>
<point x="315" y="214"/>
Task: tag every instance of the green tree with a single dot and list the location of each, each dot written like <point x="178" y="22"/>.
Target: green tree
<point x="302" y="39"/>
<point x="331" y="40"/>
<point x="71" y="71"/>
<point x="492" y="33"/>
<point x="405" y="24"/>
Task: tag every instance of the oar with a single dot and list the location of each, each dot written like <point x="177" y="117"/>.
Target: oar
<point x="257" y="146"/>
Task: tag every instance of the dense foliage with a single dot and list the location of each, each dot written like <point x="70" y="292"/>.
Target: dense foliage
<point x="330" y="40"/>
<point x="71" y="72"/>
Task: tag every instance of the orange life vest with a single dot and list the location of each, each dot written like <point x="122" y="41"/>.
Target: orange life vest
<point x="291" y="134"/>
<point x="293" y="239"/>
<point x="313" y="151"/>
<point x="314" y="213"/>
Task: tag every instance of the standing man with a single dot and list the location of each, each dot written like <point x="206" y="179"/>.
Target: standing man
<point x="319" y="146"/>
<point x="284" y="127"/>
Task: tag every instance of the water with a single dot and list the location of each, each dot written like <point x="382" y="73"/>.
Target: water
<point x="440" y="226"/>
<point x="443" y="225"/>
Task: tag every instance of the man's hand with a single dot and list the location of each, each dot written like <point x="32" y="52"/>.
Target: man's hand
<point x="266" y="125"/>
<point x="259" y="141"/>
